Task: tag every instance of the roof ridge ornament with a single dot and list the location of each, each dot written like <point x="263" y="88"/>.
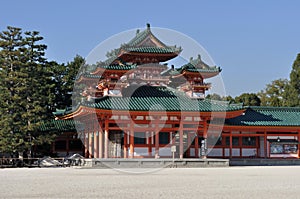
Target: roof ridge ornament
<point x="199" y="57"/>
<point x="148" y="26"/>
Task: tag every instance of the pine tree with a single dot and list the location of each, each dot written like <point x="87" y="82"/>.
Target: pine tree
<point x="25" y="90"/>
<point x="293" y="91"/>
<point x="248" y="99"/>
<point x="274" y="93"/>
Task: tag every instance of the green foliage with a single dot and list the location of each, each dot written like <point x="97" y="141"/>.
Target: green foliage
<point x="248" y="99"/>
<point x="293" y="90"/>
<point x="25" y="86"/>
<point x="64" y="76"/>
<point x="214" y="96"/>
<point x="275" y="93"/>
<point x="295" y="74"/>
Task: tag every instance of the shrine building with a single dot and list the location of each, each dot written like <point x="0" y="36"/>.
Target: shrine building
<point x="133" y="105"/>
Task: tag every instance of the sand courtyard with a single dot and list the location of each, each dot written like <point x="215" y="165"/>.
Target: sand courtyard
<point x="230" y="182"/>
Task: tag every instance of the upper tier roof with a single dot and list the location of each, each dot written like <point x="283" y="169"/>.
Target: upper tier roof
<point x="267" y="116"/>
<point x="144" y="44"/>
<point x="198" y="66"/>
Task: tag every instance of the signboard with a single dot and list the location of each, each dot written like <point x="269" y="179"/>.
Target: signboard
<point x="173" y="148"/>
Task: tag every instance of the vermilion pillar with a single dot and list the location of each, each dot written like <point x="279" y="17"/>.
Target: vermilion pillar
<point x="181" y="140"/>
<point x="205" y="128"/>
<point x="298" y="144"/>
<point x="156" y="144"/>
<point x="106" y="138"/>
<point x="125" y="145"/>
<point x="91" y="134"/>
<point x="230" y="144"/>
<point x="149" y="137"/>
<point x="96" y="144"/>
<point x="100" y="143"/>
<point x="131" y="143"/>
<point x="196" y="146"/>
<point x="265" y="144"/>
<point x="96" y="140"/>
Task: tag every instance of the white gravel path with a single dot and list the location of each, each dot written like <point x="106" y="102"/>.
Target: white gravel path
<point x="232" y="182"/>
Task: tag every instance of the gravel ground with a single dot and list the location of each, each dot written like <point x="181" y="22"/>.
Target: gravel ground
<point x="232" y="182"/>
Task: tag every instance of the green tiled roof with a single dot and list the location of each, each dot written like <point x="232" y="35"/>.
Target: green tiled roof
<point x="147" y="98"/>
<point x="91" y="76"/>
<point x="140" y="36"/>
<point x="61" y="125"/>
<point x="267" y="116"/>
<point x="119" y="67"/>
<point x="191" y="68"/>
<point x="134" y="45"/>
<point x="153" y="50"/>
<point x="60" y="112"/>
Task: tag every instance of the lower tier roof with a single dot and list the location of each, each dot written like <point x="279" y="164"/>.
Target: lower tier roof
<point x="267" y="116"/>
<point x="149" y="98"/>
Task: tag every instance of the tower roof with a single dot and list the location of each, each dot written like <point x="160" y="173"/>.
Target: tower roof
<point x="145" y="47"/>
<point x="198" y="66"/>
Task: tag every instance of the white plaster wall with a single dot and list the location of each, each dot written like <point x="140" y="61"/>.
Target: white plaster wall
<point x="141" y="151"/>
<point x="216" y="152"/>
<point x="166" y="151"/>
<point x="227" y="152"/>
<point x="235" y="152"/>
<point x="283" y="155"/>
<point x="248" y="152"/>
<point x="153" y="151"/>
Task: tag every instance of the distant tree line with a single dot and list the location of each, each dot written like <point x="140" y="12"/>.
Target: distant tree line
<point x="279" y="93"/>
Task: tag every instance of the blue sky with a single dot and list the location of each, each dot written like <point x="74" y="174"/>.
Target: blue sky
<point x="254" y="42"/>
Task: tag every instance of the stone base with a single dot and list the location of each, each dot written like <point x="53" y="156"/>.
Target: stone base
<point x="154" y="163"/>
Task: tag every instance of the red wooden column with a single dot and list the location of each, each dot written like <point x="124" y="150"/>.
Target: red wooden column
<point x="91" y="143"/>
<point x="196" y="146"/>
<point x="125" y="145"/>
<point x="205" y="137"/>
<point x="181" y="139"/>
<point x="131" y="139"/>
<point x="106" y="138"/>
<point x="131" y="144"/>
<point x="298" y="144"/>
<point x="265" y="144"/>
<point x="86" y="140"/>
<point x="149" y="137"/>
<point x="156" y="144"/>
<point x="230" y="144"/>
<point x="156" y="137"/>
<point x="101" y="139"/>
<point x="96" y="141"/>
<point x="96" y="138"/>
